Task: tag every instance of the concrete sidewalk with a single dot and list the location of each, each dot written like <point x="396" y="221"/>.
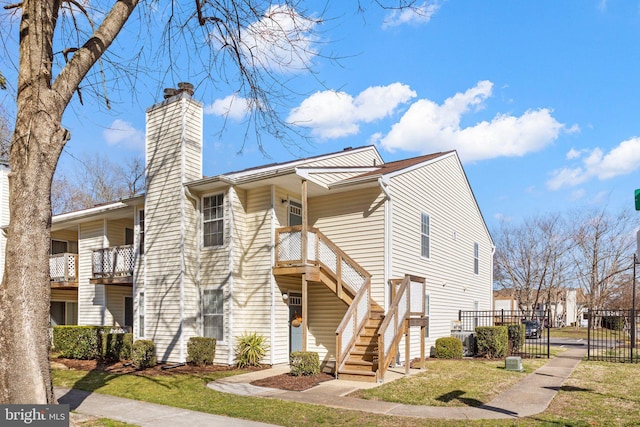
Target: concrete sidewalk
<point x="529" y="396"/>
<point x="143" y="413"/>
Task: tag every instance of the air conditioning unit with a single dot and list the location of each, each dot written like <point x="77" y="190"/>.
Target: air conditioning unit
<point x="468" y="342"/>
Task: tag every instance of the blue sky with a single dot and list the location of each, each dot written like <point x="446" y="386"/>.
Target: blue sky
<point x="540" y="98"/>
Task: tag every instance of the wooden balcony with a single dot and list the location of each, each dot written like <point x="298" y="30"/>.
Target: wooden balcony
<point x="113" y="266"/>
<point x="63" y="270"/>
<point x="323" y="261"/>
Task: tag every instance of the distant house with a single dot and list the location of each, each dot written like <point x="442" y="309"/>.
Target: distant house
<point x="566" y="305"/>
<point x="309" y="253"/>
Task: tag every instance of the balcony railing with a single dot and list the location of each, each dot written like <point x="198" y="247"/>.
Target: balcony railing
<point x="320" y="252"/>
<point x="113" y="262"/>
<point x="63" y="267"/>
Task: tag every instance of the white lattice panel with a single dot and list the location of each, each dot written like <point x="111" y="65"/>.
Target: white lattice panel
<point x="348" y="334"/>
<point x="71" y="264"/>
<point x="290" y="246"/>
<point x="389" y="334"/>
<point x="56" y="266"/>
<point x="327" y="256"/>
<point x="363" y="304"/>
<point x="351" y="276"/>
<point x="97" y="264"/>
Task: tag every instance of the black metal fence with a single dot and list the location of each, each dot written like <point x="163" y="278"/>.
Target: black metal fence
<point x="611" y="336"/>
<point x="536" y="326"/>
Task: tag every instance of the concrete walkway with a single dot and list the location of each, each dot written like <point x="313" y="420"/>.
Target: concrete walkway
<point x="530" y="396"/>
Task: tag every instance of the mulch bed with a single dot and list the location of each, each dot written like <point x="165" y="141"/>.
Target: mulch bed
<point x="283" y="382"/>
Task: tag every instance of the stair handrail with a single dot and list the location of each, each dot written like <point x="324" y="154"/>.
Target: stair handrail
<point x="353" y="322"/>
<point x="316" y="240"/>
<point x="397" y="318"/>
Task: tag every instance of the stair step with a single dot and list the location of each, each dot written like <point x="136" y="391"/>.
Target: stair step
<point x="358" y="363"/>
<point x="366" y="377"/>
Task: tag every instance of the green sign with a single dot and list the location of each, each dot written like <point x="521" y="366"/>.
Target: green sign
<point x="638" y="199"/>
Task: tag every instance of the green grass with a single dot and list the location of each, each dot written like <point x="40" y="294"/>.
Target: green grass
<point x="602" y="394"/>
<point x="569" y="332"/>
<point x="103" y="422"/>
<point x="452" y="383"/>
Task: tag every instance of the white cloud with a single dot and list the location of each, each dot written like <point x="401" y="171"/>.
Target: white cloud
<point x="573" y="154"/>
<point x="621" y="160"/>
<point x="283" y="40"/>
<point x="332" y="114"/>
<point x="427" y="127"/>
<point x="411" y="15"/>
<point x="123" y="134"/>
<point x="231" y="106"/>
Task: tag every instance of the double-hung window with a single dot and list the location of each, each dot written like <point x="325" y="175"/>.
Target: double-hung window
<point x="425" y="235"/>
<point x="476" y="256"/>
<point x="213" y="313"/>
<point x="213" y="220"/>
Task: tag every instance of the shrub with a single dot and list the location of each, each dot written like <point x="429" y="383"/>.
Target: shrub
<point x="79" y="342"/>
<point x="250" y="349"/>
<point x="116" y="346"/>
<point x="492" y="341"/>
<point x="143" y="354"/>
<point x="304" y="363"/>
<point x="516" y="334"/>
<point x="201" y="351"/>
<point x="614" y="323"/>
<point x="448" y="348"/>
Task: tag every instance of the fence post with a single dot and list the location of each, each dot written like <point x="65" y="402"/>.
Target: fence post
<point x="589" y="314"/>
<point x="548" y="333"/>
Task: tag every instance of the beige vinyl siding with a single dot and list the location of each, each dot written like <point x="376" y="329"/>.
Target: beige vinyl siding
<point x="68" y="295"/>
<point x="328" y="178"/>
<point x="252" y="264"/>
<point x="354" y="221"/>
<point x="325" y="313"/>
<point x="359" y="157"/>
<point x="65" y="235"/>
<point x="115" y="305"/>
<point x="91" y="297"/>
<point x="288" y="285"/>
<point x="165" y="205"/>
<point x="455" y="224"/>
<point x="115" y="231"/>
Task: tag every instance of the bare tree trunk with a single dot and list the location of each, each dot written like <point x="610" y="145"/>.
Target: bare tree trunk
<point x="35" y="148"/>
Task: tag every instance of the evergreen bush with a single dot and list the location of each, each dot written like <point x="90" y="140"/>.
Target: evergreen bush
<point x="79" y="342"/>
<point x="117" y="346"/>
<point x="304" y="363"/>
<point x="448" y="348"/>
<point x="143" y="354"/>
<point x="201" y="351"/>
<point x="516" y="335"/>
<point x="492" y="341"/>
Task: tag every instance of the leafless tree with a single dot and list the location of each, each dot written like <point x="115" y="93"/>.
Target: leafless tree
<point x="5" y="136"/>
<point x="97" y="180"/>
<point x="531" y="260"/>
<point x="63" y="46"/>
<point x="603" y="254"/>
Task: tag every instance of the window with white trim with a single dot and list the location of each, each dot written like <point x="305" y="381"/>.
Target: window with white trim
<point x="213" y="314"/>
<point x="476" y="256"/>
<point x="141" y="310"/>
<point x="425" y="235"/>
<point x="213" y="220"/>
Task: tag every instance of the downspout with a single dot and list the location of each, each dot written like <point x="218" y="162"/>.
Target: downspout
<point x="272" y="279"/>
<point x="230" y="266"/>
<point x="493" y="251"/>
<point x="388" y="211"/>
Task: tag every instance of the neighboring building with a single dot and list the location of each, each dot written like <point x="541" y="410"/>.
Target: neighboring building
<point x="566" y="305"/>
<point x="225" y="255"/>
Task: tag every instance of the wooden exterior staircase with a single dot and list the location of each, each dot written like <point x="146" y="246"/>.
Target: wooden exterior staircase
<point x="366" y="335"/>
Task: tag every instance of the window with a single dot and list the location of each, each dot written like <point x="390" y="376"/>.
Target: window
<point x="63" y="313"/>
<point x="141" y="232"/>
<point x="213" y="313"/>
<point x="141" y="310"/>
<point x="425" y="236"/>
<point x="213" y="218"/>
<point x="128" y="236"/>
<point x="58" y="247"/>
<point x="475" y="258"/>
